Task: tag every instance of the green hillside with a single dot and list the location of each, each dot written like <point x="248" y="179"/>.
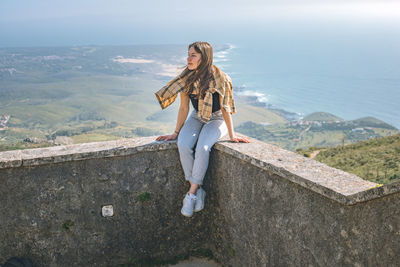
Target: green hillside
<point x="84" y="94"/>
<point x="305" y="134"/>
<point x="376" y="160"/>
<point x="372" y="122"/>
<point x="321" y="116"/>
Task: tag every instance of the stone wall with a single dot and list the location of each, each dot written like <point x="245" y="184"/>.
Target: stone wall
<point x="51" y="204"/>
<point x="267" y="214"/>
<point x="265" y="206"/>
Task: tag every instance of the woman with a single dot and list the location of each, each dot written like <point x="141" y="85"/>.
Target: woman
<point x="210" y="91"/>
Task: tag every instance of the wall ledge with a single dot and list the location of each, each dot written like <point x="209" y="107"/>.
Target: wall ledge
<point x="340" y="186"/>
<point x="56" y="154"/>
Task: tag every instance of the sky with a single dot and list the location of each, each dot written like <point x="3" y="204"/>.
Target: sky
<point x="55" y="22"/>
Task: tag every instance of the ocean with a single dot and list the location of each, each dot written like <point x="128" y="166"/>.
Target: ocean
<point x="351" y="74"/>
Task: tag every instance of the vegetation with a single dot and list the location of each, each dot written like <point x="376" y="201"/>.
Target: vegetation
<point x="85" y="94"/>
<point x="67" y="225"/>
<point x="145" y="196"/>
<point x="366" y="147"/>
<point x="376" y="160"/>
<point x="321" y="116"/>
<point x="304" y="134"/>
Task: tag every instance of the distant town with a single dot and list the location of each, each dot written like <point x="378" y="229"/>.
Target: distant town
<point x="330" y="122"/>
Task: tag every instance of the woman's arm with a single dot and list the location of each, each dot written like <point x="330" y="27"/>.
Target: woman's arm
<point x="228" y="120"/>
<point x="182" y="115"/>
<point x="183" y="112"/>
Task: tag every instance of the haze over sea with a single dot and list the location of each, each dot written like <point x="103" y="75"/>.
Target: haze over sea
<point x="346" y="64"/>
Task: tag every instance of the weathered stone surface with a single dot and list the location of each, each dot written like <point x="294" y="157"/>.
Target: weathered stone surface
<point x="123" y="147"/>
<point x="333" y="183"/>
<point x="10" y="159"/>
<point x="264" y="207"/>
<point x="52" y="213"/>
<point x="263" y="219"/>
<point x="316" y="176"/>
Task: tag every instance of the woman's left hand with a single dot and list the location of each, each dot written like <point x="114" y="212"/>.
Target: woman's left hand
<point x="238" y="140"/>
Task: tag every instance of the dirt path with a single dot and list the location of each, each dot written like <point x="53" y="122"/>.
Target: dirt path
<point x="303" y="132"/>
<point x="314" y="154"/>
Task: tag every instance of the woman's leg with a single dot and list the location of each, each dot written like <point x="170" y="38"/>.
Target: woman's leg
<point x="187" y="138"/>
<point x="209" y="135"/>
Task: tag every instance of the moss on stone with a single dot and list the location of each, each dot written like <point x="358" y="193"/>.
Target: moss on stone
<point x="145" y="196"/>
<point x="67" y="225"/>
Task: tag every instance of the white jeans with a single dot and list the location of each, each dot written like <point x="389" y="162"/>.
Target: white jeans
<point x="206" y="135"/>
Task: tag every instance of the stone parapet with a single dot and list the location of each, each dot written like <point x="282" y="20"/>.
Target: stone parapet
<point x="105" y="203"/>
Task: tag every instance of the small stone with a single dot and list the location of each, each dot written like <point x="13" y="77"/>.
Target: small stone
<point x="344" y="234"/>
<point x="107" y="211"/>
<point x="103" y="177"/>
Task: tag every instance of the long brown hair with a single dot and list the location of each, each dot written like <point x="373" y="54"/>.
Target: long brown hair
<point x="203" y="74"/>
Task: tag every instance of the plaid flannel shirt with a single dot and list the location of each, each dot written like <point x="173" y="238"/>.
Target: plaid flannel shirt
<point x="221" y="83"/>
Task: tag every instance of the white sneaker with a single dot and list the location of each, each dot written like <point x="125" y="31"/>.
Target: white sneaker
<point x="200" y="195"/>
<point x="188" y="205"/>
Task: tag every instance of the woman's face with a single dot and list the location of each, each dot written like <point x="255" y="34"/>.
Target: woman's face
<point x="193" y="59"/>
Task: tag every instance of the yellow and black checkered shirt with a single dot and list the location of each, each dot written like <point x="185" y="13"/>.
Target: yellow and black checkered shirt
<point x="221" y="83"/>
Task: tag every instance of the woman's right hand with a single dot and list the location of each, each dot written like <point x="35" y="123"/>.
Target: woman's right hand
<point x="167" y="137"/>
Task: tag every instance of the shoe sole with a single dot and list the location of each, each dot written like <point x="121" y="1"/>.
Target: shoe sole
<point x="186" y="215"/>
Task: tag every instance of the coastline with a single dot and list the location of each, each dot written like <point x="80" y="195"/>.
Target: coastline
<point x="242" y="95"/>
